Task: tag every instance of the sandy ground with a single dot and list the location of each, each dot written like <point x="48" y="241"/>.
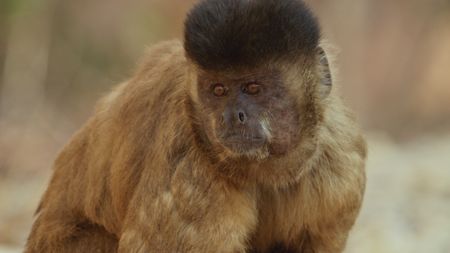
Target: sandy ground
<point x="407" y="202"/>
<point x="406" y="208"/>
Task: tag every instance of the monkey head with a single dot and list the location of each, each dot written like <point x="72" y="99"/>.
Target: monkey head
<point x="257" y="70"/>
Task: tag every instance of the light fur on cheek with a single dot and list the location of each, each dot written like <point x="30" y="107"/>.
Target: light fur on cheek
<point x="265" y="126"/>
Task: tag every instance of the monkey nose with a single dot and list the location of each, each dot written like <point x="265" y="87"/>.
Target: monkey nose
<point x="242" y="117"/>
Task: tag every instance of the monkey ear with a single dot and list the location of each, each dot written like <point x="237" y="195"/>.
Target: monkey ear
<point x="326" y="81"/>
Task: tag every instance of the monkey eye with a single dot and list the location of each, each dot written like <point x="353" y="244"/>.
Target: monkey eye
<point x="219" y="90"/>
<point x="252" y="88"/>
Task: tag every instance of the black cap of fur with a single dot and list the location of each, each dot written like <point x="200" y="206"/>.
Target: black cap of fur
<point x="233" y="33"/>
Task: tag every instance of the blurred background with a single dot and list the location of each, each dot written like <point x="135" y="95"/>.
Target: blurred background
<point x="58" y="57"/>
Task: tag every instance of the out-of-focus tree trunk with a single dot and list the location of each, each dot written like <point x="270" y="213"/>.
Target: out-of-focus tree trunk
<point x="25" y="61"/>
<point x="4" y="14"/>
<point x="25" y="43"/>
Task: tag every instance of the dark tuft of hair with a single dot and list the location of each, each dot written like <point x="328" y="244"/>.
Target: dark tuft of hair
<point x="221" y="34"/>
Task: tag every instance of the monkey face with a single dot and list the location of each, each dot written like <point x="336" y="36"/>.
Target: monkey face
<point x="249" y="113"/>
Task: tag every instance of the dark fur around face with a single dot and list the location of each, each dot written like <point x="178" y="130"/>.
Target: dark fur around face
<point x="222" y="34"/>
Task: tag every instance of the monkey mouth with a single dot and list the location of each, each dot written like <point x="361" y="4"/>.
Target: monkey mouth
<point x="242" y="143"/>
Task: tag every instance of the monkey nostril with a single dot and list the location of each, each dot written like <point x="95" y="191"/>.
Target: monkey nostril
<point x="241" y="117"/>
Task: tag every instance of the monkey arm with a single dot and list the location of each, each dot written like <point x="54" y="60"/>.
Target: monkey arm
<point x="330" y="235"/>
<point x="340" y="188"/>
<point x="72" y="217"/>
<point x="334" y="187"/>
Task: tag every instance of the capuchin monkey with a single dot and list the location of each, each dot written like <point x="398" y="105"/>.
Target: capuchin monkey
<point x="232" y="141"/>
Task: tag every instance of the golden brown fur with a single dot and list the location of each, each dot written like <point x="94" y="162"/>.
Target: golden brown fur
<point x="135" y="179"/>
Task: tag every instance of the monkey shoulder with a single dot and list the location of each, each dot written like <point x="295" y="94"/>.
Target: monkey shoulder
<point x="143" y="115"/>
<point x="167" y="55"/>
<point x="340" y="168"/>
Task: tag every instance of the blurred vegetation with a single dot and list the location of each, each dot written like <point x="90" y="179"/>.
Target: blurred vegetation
<point x="57" y="57"/>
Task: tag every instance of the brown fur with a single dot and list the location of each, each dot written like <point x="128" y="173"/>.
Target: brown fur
<point x="138" y="178"/>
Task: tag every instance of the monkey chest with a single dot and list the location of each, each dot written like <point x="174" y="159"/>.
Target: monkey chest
<point x="280" y="227"/>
